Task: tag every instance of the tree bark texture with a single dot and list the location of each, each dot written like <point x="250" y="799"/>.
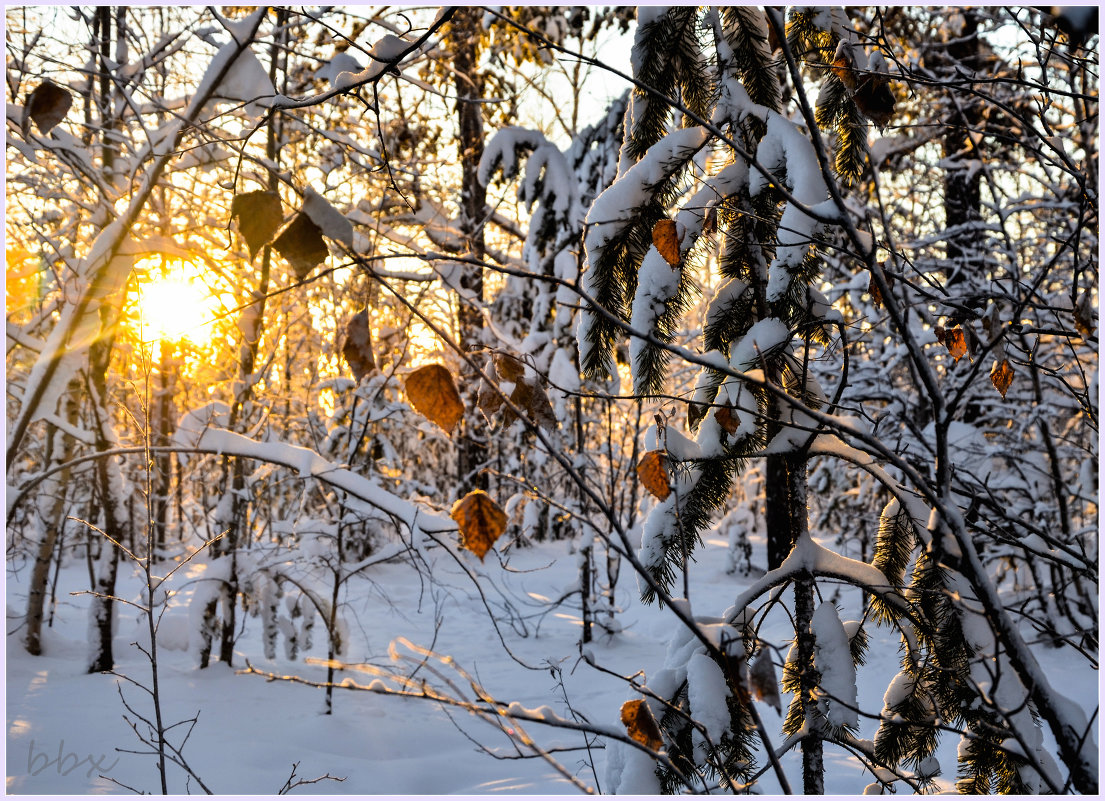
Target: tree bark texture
<point x="468" y="79"/>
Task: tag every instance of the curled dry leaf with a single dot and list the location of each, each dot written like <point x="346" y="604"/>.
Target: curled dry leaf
<point x="480" y="521"/>
<point x="956" y="343"/>
<point x="1084" y="315"/>
<point x="843" y="66"/>
<point x="696" y="413"/>
<point x="527" y="394"/>
<point x="876" y="293"/>
<point x="653" y="472"/>
<point x="666" y="239"/>
<point x="709" y="223"/>
<point x="874" y="99"/>
<point x="47" y="105"/>
<point x="727" y="419"/>
<point x="434" y="395"/>
<point x="1001" y="375"/>
<point x="641" y="725"/>
<point x="357" y="349"/>
<point x="301" y="245"/>
<point x="259" y="216"/>
<point x="764" y="684"/>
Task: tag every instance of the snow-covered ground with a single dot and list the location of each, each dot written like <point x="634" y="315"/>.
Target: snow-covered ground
<point x="64" y="727"/>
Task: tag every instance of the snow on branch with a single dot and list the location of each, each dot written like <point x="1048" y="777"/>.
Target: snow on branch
<point x="311" y="465"/>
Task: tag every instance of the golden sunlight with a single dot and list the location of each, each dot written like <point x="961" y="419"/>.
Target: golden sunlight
<point x="175" y="309"/>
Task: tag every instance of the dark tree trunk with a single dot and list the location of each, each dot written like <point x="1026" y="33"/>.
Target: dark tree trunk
<point x="109" y="475"/>
<point x="472" y="454"/>
<point x="236" y="526"/>
<point x="164" y="424"/>
<point x="777" y="511"/>
<point x="962" y="184"/>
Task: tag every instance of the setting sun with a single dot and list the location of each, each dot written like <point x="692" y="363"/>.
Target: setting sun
<point x="174" y="308"/>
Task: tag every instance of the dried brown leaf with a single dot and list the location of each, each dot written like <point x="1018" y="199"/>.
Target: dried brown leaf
<point x="696" y="412"/>
<point x="47" y="105"/>
<point x="357" y="349"/>
<point x="1084" y="315"/>
<point x="641" y="725"/>
<point x="666" y="240"/>
<point x="653" y="472"/>
<point x="874" y="99"/>
<point x="763" y="681"/>
<point x="509" y="368"/>
<point x="1002" y="376"/>
<point x="709" y="223"/>
<point x="259" y="216"/>
<point x="527" y="394"/>
<point x="956" y="343"/>
<point x="480" y="521"/>
<point x="301" y="245"/>
<point x="842" y="69"/>
<point x="434" y="395"/>
<point x="727" y="419"/>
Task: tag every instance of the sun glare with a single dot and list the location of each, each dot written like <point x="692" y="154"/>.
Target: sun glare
<point x="175" y="309"/>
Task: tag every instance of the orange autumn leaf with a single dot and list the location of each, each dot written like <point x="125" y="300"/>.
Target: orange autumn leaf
<point x="666" y="240"/>
<point x="1002" y="376"/>
<point x="956" y="343"/>
<point x="842" y="68"/>
<point x="434" y="395"/>
<point x="875" y="293"/>
<point x="641" y="725"/>
<point x="653" y="473"/>
<point x="480" y="521"/>
<point x="727" y="419"/>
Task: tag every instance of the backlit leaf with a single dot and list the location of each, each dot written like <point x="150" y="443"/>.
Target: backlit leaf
<point x="876" y="293"/>
<point x="956" y="343"/>
<point x="653" y="472"/>
<point x="666" y="240"/>
<point x="480" y="521"/>
<point x="1002" y="376"/>
<point x="709" y="223"/>
<point x="640" y="725"/>
<point x="434" y="395"/>
<point x="1084" y="315"/>
<point x="259" y="216"/>
<point x="874" y="99"/>
<point x="842" y="69"/>
<point x="47" y="106"/>
<point x="301" y="245"/>
<point x="761" y="677"/>
<point x="357" y="349"/>
<point x="727" y="419"/>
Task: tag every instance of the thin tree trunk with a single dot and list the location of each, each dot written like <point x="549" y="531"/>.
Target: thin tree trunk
<point x="252" y="330"/>
<point x="472" y="453"/>
<point x="777" y="511"/>
<point x="109" y="475"/>
<point x="585" y="585"/>
<point x="50" y="522"/>
<point x="165" y="424"/>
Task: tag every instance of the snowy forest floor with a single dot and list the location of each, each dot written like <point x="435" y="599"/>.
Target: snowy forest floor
<point x="61" y="721"/>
